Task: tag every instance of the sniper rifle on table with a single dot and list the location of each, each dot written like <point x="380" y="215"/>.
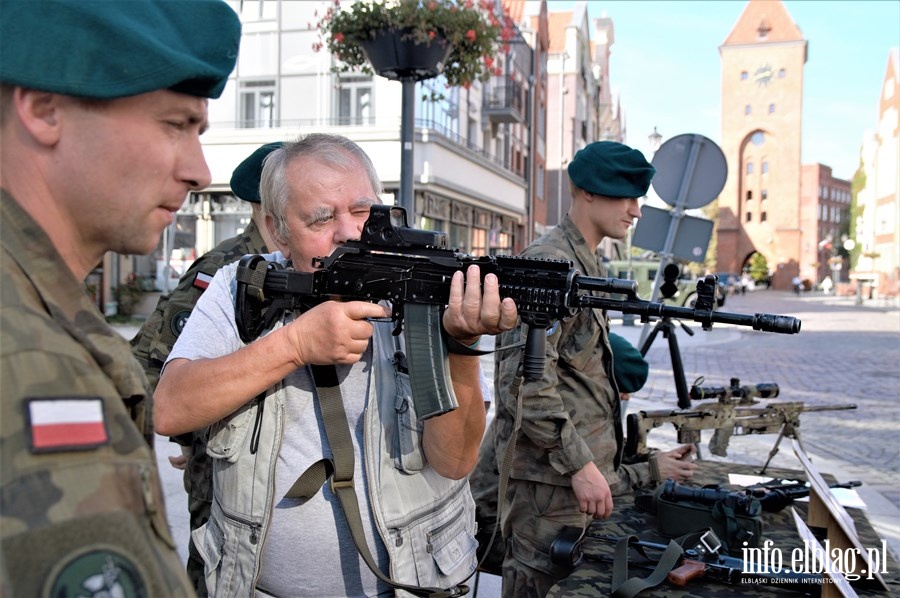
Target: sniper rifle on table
<point x="412" y="269"/>
<point x="727" y="416"/>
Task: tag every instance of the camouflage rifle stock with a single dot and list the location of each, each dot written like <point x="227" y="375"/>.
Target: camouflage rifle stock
<point x="735" y="419"/>
<point x="413" y="268"/>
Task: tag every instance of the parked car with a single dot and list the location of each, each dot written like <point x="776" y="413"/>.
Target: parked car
<point x="730" y="281"/>
<point x="644" y="273"/>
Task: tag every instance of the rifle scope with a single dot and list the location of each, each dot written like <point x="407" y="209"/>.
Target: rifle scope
<point x="740" y="503"/>
<point x="763" y="390"/>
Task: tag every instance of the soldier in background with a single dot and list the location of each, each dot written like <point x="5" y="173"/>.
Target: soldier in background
<point x="101" y="109"/>
<point x="567" y="465"/>
<point x="153" y="342"/>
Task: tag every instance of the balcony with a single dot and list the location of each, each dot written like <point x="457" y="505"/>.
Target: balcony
<point x="504" y="101"/>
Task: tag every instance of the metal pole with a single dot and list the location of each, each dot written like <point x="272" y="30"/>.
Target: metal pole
<point x="562" y="135"/>
<point x="407" y="130"/>
<point x="697" y="141"/>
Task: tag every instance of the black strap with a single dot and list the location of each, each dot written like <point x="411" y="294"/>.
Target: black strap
<point x="623" y="587"/>
<point x="328" y="393"/>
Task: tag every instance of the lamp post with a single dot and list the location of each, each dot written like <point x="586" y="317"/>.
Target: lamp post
<point x="562" y="134"/>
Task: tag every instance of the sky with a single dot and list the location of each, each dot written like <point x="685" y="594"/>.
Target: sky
<point x="665" y="65"/>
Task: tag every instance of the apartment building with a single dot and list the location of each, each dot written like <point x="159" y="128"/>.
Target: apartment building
<point x="876" y="229"/>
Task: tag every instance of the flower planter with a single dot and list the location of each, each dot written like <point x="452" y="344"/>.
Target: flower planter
<point x="395" y="55"/>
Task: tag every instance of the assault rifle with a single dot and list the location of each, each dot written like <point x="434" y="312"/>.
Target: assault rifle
<point x="775" y="495"/>
<point x="727" y="418"/>
<point x="768" y="496"/>
<point x="413" y="268"/>
<point x="702" y="558"/>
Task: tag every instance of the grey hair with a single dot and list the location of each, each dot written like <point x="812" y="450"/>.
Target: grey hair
<point x="335" y="150"/>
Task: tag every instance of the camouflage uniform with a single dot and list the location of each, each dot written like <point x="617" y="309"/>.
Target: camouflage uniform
<point x="151" y="347"/>
<point x="81" y="511"/>
<point x="571" y="416"/>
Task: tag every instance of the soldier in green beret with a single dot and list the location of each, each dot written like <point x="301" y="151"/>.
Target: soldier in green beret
<point x="153" y="342"/>
<point x="101" y="109"/>
<point x="567" y="464"/>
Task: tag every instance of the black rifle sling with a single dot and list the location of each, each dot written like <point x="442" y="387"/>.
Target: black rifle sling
<point x="328" y="393"/>
<point x="623" y="587"/>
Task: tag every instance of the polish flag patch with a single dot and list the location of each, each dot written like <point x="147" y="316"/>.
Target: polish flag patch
<point x="66" y="423"/>
<point x="201" y="281"/>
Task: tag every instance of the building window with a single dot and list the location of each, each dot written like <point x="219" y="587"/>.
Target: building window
<point x="771" y="108"/>
<point x="765" y="167"/>
<point x="257" y="105"/>
<point x="749" y="217"/>
<point x="747" y="109"/>
<point x="355" y="101"/>
<point x="781" y="73"/>
<point x="762" y="216"/>
<point x="443" y="114"/>
<point x="749" y="167"/>
<point x="764" y="195"/>
<point x="758" y="138"/>
<point x="744" y="75"/>
<point x="479" y="241"/>
<point x="258" y="10"/>
<point x="539" y="185"/>
<point x="749" y="195"/>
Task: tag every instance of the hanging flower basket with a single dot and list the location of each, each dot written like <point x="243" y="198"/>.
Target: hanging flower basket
<point x="460" y="39"/>
<point x="395" y="54"/>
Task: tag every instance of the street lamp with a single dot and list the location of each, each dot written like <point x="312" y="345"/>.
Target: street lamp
<point x="562" y="133"/>
<point x="655" y="141"/>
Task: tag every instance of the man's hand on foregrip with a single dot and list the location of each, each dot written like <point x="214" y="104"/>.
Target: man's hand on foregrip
<point x="473" y="311"/>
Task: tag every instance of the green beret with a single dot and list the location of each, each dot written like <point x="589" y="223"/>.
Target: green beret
<point x="245" y="178"/>
<point x="111" y="49"/>
<point x="611" y="169"/>
<point x="630" y="369"/>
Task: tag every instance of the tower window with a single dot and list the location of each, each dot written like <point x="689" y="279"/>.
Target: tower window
<point x="749" y="217"/>
<point x="747" y="109"/>
<point x="765" y="167"/>
<point x="765" y="195"/>
<point x="749" y="195"/>
<point x="744" y="75"/>
<point x="771" y="108"/>
<point x="762" y="216"/>
<point x="781" y="73"/>
<point x="749" y="167"/>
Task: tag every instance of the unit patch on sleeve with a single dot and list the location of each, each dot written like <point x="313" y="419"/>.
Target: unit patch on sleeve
<point x="178" y="322"/>
<point x="97" y="571"/>
<point x="66" y="423"/>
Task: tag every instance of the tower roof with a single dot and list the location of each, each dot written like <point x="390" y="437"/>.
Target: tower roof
<point x="764" y="21"/>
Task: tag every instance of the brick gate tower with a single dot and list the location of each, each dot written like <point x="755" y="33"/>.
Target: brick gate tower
<point x="762" y="99"/>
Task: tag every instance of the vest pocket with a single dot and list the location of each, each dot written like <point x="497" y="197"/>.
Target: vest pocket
<point x="444" y="547"/>
<point x="228" y="435"/>
<point x="408" y="444"/>
<point x="208" y="540"/>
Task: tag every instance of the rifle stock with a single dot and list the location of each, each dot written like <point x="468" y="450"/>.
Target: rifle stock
<point x="392" y="262"/>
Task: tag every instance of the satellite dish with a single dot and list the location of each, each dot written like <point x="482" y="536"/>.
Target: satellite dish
<point x="690" y="167"/>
